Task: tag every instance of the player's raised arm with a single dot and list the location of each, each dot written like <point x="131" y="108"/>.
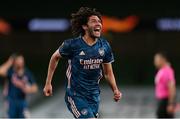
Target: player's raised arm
<point x="4" y="67"/>
<point x="52" y="66"/>
<point x="109" y="75"/>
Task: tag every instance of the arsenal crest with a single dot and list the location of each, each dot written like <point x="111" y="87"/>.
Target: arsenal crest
<point x="101" y="51"/>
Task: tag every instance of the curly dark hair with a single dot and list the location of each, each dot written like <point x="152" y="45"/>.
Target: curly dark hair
<point x="81" y="18"/>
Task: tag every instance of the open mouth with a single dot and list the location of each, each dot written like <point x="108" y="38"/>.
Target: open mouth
<point x="97" y="29"/>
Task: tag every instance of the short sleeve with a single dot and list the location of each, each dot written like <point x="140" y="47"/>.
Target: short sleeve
<point x="65" y="49"/>
<point x="31" y="78"/>
<point x="109" y="57"/>
<point x="170" y="75"/>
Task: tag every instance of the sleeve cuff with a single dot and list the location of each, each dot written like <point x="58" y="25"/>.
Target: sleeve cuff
<point x="108" y="62"/>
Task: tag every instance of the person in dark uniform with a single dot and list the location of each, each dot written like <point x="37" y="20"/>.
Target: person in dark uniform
<point x="20" y="83"/>
<point x="87" y="54"/>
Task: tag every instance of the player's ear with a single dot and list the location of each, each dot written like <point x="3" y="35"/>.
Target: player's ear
<point x="84" y="27"/>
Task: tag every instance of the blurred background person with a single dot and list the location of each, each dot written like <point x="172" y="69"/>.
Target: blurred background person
<point x="20" y="83"/>
<point x="165" y="86"/>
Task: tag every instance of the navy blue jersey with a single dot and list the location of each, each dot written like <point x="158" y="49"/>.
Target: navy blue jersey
<point x="85" y="71"/>
<point x="15" y="92"/>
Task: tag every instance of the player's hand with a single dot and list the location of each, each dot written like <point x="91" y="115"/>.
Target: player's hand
<point x="10" y="60"/>
<point x="27" y="89"/>
<point x="18" y="83"/>
<point x="48" y="90"/>
<point x="117" y="95"/>
<point x="171" y="108"/>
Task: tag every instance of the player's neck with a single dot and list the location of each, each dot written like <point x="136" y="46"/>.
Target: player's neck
<point x="165" y="65"/>
<point x="20" y="72"/>
<point x="89" y="40"/>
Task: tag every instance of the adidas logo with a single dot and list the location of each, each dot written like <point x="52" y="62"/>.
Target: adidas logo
<point x="82" y="53"/>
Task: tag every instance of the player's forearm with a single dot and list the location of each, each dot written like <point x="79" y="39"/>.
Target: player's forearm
<point x="112" y="82"/>
<point x="172" y="94"/>
<point x="30" y="89"/>
<point x="34" y="88"/>
<point x="4" y="67"/>
<point x="52" y="66"/>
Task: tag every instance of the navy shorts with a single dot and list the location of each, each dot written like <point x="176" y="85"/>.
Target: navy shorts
<point x="80" y="106"/>
<point x="17" y="108"/>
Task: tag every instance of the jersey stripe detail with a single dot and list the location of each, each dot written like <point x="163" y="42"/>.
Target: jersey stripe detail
<point x="68" y="74"/>
<point x="108" y="62"/>
<point x="73" y="108"/>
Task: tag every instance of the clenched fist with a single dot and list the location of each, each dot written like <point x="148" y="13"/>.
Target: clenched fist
<point x="117" y="95"/>
<point x="48" y="90"/>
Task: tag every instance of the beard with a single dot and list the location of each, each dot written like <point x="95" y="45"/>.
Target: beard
<point x="92" y="34"/>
